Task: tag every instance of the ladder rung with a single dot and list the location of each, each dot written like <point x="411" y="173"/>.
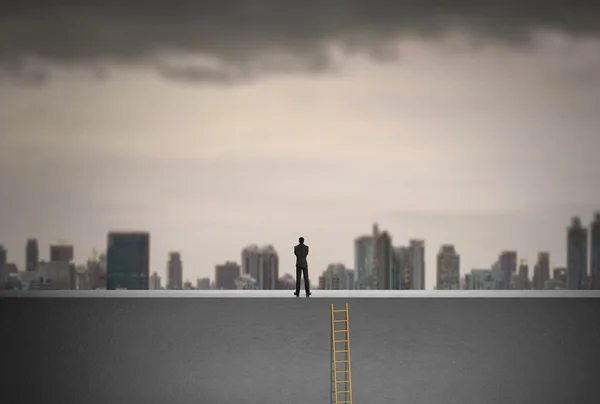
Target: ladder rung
<point x="342" y="361"/>
<point x="340" y="330"/>
<point x="340" y="340"/>
<point x="342" y="370"/>
<point x="340" y="311"/>
<point x="343" y="401"/>
<point x="340" y="321"/>
<point x="344" y="391"/>
<point x="341" y="350"/>
<point x="342" y="381"/>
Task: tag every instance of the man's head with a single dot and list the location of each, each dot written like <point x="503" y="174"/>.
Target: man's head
<point x="301" y="240"/>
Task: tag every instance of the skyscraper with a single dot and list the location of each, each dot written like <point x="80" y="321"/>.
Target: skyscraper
<point x="541" y="272"/>
<point x="128" y="260"/>
<point x="448" y="268"/>
<point x="595" y="253"/>
<point x="154" y="283"/>
<point x="335" y="277"/>
<point x="363" y="261"/>
<point x="417" y="264"/>
<point x="524" y="275"/>
<point x="508" y="266"/>
<point x="32" y="255"/>
<point x="3" y="256"/>
<point x="400" y="274"/>
<point x="269" y="268"/>
<point x="225" y="275"/>
<point x="382" y="263"/>
<point x="174" y="272"/>
<point x="262" y="264"/>
<point x="251" y="261"/>
<point x="61" y="251"/>
<point x="576" y="255"/>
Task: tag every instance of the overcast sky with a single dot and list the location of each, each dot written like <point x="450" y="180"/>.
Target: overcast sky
<point x="216" y="124"/>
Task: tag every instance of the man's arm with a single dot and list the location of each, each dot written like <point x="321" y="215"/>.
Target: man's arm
<point x="306" y="250"/>
<point x="296" y="250"/>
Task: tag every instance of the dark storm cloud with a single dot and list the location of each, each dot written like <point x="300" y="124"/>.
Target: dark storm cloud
<point x="240" y="32"/>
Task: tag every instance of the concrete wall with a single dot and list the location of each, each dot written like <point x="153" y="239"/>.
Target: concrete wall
<point x="274" y="351"/>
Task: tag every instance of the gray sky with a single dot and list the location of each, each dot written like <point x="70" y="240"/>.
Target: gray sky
<point x="214" y="125"/>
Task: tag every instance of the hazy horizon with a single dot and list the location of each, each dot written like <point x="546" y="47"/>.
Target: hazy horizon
<point x="218" y="125"/>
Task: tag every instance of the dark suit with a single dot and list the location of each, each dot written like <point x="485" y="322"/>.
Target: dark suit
<point x="301" y="252"/>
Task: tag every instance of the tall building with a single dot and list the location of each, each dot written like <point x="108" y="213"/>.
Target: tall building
<point x="363" y="261"/>
<point x="400" y="266"/>
<point x="523" y="275"/>
<point x="262" y="264"/>
<point x="541" y="272"/>
<point x="577" y="259"/>
<point x="448" y="268"/>
<point x="269" y="269"/>
<point x="508" y="266"/>
<point x="383" y="258"/>
<point x="62" y="251"/>
<point x="226" y="275"/>
<point x="251" y="261"/>
<point x="3" y="256"/>
<point x="479" y="279"/>
<point x="595" y="253"/>
<point x="174" y="272"/>
<point x="416" y="264"/>
<point x="96" y="267"/>
<point x="155" y="282"/>
<point x="203" y="284"/>
<point x="336" y="277"/>
<point x="128" y="260"/>
<point x="32" y="255"/>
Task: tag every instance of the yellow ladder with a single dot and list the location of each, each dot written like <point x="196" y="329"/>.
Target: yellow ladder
<point x="340" y="344"/>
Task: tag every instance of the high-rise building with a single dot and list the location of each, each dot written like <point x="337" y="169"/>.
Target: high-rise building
<point x="251" y="261"/>
<point x="383" y="258"/>
<point x="96" y="267"/>
<point x="400" y="273"/>
<point x="62" y="251"/>
<point x="336" y="277"/>
<point x="479" y="279"/>
<point x="448" y="268"/>
<point x="417" y="264"/>
<point x="595" y="252"/>
<point x="155" y="282"/>
<point x="508" y="266"/>
<point x="3" y="256"/>
<point x="523" y="275"/>
<point x="262" y="264"/>
<point x="269" y="268"/>
<point x="32" y="255"/>
<point x="174" y="272"/>
<point x="203" y="284"/>
<point x="363" y="261"/>
<point x="577" y="258"/>
<point x="541" y="272"/>
<point x="128" y="260"/>
<point x="226" y="275"/>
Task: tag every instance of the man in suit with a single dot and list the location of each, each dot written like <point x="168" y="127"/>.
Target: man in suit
<point x="301" y="252"/>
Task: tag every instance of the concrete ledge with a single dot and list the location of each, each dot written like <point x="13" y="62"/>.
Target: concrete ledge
<point x="328" y="294"/>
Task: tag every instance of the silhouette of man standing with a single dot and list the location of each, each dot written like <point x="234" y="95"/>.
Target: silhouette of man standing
<point x="301" y="252"/>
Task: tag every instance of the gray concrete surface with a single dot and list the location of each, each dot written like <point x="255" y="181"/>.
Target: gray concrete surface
<point x="268" y="351"/>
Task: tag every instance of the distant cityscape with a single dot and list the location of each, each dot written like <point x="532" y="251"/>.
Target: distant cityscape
<point x="378" y="265"/>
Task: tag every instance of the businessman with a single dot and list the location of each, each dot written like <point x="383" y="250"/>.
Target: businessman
<point x="301" y="252"/>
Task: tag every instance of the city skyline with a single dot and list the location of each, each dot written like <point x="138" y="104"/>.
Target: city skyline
<point x="431" y="268"/>
<point x="228" y="124"/>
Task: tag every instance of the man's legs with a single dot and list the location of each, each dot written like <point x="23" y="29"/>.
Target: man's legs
<point x="298" y="275"/>
<point x="306" y="282"/>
